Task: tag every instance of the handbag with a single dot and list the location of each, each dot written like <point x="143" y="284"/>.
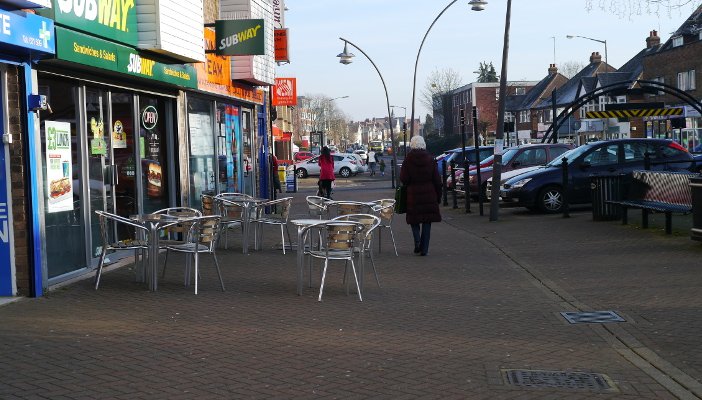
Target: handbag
<point x="401" y="199"/>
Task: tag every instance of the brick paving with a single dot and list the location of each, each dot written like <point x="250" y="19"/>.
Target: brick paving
<point x="486" y="299"/>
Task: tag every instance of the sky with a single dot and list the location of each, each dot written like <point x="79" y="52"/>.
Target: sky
<point x="390" y="32"/>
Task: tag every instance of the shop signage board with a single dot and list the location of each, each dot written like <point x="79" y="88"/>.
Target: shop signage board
<point x="88" y="50"/>
<point x="280" y="37"/>
<point x="285" y="92"/>
<point x="239" y="37"/>
<point x="27" y="31"/>
<point x="111" y="19"/>
<point x="59" y="165"/>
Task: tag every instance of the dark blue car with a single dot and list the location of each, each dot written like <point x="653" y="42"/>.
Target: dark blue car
<point x="542" y="189"/>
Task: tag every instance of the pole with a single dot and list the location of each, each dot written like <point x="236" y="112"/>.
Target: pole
<point x="477" y="157"/>
<point x="387" y="102"/>
<point x="416" y="63"/>
<point x="499" y="134"/>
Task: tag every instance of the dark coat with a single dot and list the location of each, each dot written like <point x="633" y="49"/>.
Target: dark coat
<point x="421" y="176"/>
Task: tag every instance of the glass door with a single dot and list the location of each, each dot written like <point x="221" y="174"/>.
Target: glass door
<point x="153" y="150"/>
<point x="124" y="145"/>
<point x="228" y="138"/>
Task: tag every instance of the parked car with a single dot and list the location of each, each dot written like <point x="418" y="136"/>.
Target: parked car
<point x="362" y="165"/>
<point x="541" y="188"/>
<point x="345" y="165"/>
<point x="517" y="157"/>
<point x="302" y="155"/>
<point x="455" y="155"/>
<point x="363" y="154"/>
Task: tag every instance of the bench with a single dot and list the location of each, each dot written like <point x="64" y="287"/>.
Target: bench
<point x="657" y="191"/>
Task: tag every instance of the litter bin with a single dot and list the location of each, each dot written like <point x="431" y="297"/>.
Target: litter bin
<point x="696" y="191"/>
<point x="606" y="188"/>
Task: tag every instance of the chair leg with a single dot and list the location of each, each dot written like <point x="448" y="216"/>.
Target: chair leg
<point x="392" y="235"/>
<point x="98" y="272"/>
<point x="282" y="237"/>
<point x="374" y="270"/>
<point x="196" y="270"/>
<point x="358" y="287"/>
<point x="219" y="273"/>
<point x="324" y="275"/>
<point x="165" y="264"/>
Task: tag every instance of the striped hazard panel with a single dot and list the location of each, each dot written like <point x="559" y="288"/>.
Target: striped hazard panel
<point x="641" y="112"/>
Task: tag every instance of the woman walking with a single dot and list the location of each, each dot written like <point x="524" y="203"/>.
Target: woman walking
<point x="326" y="172"/>
<point x="421" y="176"/>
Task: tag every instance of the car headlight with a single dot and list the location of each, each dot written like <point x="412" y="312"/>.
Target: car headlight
<point x="520" y="183"/>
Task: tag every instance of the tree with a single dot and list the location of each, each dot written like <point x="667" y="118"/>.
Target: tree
<point x="486" y="73"/>
<point x="570" y="68"/>
<point x="439" y="83"/>
<point x="628" y="8"/>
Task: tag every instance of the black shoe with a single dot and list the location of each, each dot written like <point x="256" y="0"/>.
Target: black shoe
<point x="423" y="254"/>
<point x="417" y="250"/>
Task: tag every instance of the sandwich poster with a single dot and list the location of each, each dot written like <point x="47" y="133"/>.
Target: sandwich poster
<point x="59" y="170"/>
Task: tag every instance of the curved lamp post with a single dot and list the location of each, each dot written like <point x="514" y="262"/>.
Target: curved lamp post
<point x="346" y="58"/>
<point x="476" y="5"/>
<point x="404" y="129"/>
<point x="594" y="40"/>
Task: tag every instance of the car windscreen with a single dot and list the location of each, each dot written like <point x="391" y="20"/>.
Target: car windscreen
<point x="570" y="155"/>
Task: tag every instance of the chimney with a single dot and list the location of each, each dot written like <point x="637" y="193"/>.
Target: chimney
<point x="653" y="39"/>
<point x="552" y="70"/>
<point x="595" y="57"/>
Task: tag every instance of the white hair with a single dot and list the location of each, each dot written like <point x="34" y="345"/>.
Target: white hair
<point x="417" y="142"/>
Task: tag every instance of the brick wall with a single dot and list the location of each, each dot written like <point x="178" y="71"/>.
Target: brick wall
<point x="669" y="62"/>
<point x="17" y="180"/>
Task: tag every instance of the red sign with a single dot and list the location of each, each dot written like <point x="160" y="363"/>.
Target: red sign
<point x="285" y="92"/>
<point x="281" y="45"/>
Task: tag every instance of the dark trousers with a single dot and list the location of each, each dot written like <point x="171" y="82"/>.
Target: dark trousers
<point x="422" y="236"/>
<point x="325" y="186"/>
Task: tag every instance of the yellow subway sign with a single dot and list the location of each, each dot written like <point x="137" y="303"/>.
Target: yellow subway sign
<point x="110" y="19"/>
<point x="636" y="112"/>
<point x="239" y="37"/>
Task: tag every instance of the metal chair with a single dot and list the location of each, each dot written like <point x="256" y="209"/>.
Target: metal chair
<point x="177" y="233"/>
<point x="202" y="238"/>
<point x="318" y="207"/>
<point x="385" y="209"/>
<point x="132" y="243"/>
<point x="364" y="247"/>
<point x="209" y="206"/>
<point x="273" y="212"/>
<point x="350" y="207"/>
<point x="232" y="217"/>
<point x="339" y="239"/>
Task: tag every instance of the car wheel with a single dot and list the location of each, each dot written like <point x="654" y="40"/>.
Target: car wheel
<point x="301" y="173"/>
<point x="550" y="200"/>
<point x="345" y="172"/>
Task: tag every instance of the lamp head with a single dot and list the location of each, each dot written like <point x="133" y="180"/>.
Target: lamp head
<point x="477" y="5"/>
<point x="570" y="36"/>
<point x="345" y="57"/>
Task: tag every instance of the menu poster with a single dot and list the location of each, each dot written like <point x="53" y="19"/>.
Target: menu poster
<point x="59" y="171"/>
<point x="119" y="136"/>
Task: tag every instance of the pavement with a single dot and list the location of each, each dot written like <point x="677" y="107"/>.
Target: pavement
<point x="478" y="318"/>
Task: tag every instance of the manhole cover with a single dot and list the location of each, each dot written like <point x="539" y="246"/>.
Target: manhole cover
<point x="592" y="317"/>
<point x="558" y="379"/>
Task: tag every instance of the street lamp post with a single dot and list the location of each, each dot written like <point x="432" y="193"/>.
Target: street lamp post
<point x="499" y="132"/>
<point x="476" y="5"/>
<point x="594" y="40"/>
<point x="404" y="129"/>
<point x="346" y="58"/>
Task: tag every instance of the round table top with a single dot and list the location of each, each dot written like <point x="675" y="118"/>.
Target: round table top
<point x="308" y="221"/>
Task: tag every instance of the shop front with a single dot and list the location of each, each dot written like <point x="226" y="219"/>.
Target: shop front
<point x="24" y="38"/>
<point x="107" y="141"/>
<point x="222" y="153"/>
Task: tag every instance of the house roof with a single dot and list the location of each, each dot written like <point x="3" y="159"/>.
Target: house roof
<point x="533" y="96"/>
<point x="691" y="27"/>
<point x="569" y="91"/>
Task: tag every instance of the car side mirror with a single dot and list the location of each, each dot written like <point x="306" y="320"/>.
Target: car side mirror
<point x="516" y="164"/>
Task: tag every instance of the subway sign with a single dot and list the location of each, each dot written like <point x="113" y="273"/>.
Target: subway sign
<point x="88" y="50"/>
<point x="239" y="37"/>
<point x="111" y="19"/>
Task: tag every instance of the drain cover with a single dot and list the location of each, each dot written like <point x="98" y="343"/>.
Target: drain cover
<point x="592" y="317"/>
<point x="558" y="379"/>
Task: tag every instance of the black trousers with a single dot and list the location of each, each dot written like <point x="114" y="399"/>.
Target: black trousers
<point x="325" y="186"/>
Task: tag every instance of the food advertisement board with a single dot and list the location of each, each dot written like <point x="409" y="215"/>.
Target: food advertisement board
<point x="59" y="166"/>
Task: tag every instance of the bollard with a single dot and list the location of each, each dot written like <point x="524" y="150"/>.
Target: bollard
<point x="647" y="161"/>
<point x="466" y="184"/>
<point x="453" y="179"/>
<point x="566" y="208"/>
<point x="443" y="181"/>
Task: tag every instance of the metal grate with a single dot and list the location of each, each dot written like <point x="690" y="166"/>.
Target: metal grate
<point x="592" y="317"/>
<point x="559" y="380"/>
